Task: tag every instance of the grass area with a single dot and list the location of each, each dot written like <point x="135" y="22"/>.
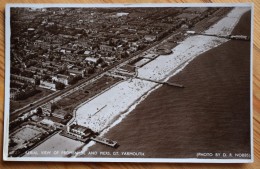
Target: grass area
<point x="14" y="105"/>
<point x="70" y="102"/>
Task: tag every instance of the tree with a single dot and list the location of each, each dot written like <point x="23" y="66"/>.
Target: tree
<point x="91" y="70"/>
<point x="12" y="143"/>
<point x="46" y="77"/>
<point x="59" y="85"/>
<point x="75" y="80"/>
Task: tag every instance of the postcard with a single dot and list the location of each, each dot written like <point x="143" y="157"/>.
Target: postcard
<point x="128" y="83"/>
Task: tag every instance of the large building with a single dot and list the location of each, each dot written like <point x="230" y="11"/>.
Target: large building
<point x="77" y="72"/>
<point x="22" y="78"/>
<point x="64" y="79"/>
<point x="48" y="85"/>
<point x="79" y="131"/>
<point x="91" y="60"/>
<point x="107" y="48"/>
<point x="150" y="38"/>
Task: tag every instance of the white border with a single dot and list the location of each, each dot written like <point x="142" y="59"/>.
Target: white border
<point x="251" y="84"/>
<point x="150" y="160"/>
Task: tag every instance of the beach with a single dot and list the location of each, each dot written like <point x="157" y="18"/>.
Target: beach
<point x="211" y="114"/>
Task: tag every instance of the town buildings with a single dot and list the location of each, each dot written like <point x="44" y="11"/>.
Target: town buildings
<point x="55" y="47"/>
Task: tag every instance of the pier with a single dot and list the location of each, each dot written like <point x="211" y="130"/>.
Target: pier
<point x="161" y="82"/>
<point x="232" y="37"/>
<point x="99" y="110"/>
<point x="105" y="141"/>
<point x="76" y="132"/>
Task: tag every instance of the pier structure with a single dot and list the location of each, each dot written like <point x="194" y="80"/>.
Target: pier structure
<point x="84" y="134"/>
<point x="162" y="82"/>
<point x="105" y="141"/>
<point x="234" y="37"/>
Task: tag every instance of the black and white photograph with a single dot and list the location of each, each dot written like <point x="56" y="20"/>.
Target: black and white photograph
<point x="128" y="83"/>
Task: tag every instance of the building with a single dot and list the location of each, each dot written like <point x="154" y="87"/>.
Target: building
<point x="51" y="23"/>
<point x="47" y="85"/>
<point x="198" y="10"/>
<point x="30" y="30"/>
<point x="23" y="78"/>
<point x="150" y="38"/>
<point x="87" y="52"/>
<point x="66" y="50"/>
<point x="64" y="79"/>
<point x="187" y="16"/>
<point x="106" y="48"/>
<point x="47" y="122"/>
<point x="77" y="72"/>
<point x="14" y="94"/>
<point x="79" y="131"/>
<point x="91" y="60"/>
<point x="47" y="109"/>
<point x="61" y="114"/>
